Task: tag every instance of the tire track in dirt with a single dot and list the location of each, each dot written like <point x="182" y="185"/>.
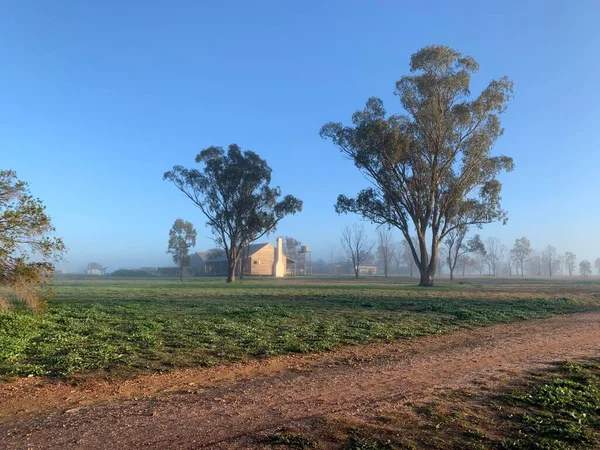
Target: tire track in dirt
<point x="218" y="407"/>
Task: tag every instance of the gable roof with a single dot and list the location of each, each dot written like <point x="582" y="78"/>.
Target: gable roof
<point x="252" y="249"/>
<point x="203" y="255"/>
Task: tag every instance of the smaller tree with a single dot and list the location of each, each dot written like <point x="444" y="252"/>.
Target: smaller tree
<point x="385" y="251"/>
<point x="356" y="245"/>
<point x="464" y="262"/>
<point x="455" y="248"/>
<point x="397" y="256"/>
<point x="28" y="247"/>
<point x="549" y="259"/>
<point x="494" y="254"/>
<point x="570" y="259"/>
<point x="182" y="237"/>
<point x="521" y="252"/>
<point x="585" y="268"/>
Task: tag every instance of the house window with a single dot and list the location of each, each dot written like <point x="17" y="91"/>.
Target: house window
<point x="256" y="261"/>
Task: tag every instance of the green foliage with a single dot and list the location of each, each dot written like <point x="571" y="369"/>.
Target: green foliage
<point x="431" y="168"/>
<point x="131" y="326"/>
<point x="26" y="232"/>
<point x="182" y="237"/>
<point x="562" y="412"/>
<point x="233" y="191"/>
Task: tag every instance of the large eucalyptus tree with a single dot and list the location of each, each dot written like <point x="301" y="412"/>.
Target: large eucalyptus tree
<point x="233" y="191"/>
<point x="431" y="168"/>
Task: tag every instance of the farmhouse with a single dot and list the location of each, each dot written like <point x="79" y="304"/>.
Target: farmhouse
<point x="256" y="259"/>
<point x="94" y="268"/>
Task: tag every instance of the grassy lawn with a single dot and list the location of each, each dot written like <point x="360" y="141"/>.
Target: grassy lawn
<point x="122" y="327"/>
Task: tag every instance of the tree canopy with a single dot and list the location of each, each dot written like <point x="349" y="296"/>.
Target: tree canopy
<point x="182" y="237"/>
<point x="233" y="191"/>
<point x="28" y="247"/>
<point x="431" y="168"/>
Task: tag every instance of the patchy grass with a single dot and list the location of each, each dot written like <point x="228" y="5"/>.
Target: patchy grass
<point x="123" y="327"/>
<point x="555" y="410"/>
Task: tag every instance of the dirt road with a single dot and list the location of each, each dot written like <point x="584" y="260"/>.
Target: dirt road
<point x="220" y="407"/>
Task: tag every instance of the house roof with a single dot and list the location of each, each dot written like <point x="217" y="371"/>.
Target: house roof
<point x="252" y="249"/>
<point x="94" y="266"/>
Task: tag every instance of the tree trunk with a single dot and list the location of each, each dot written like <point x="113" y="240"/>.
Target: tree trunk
<point x="451" y="273"/>
<point x="426" y="277"/>
<point x="232" y="263"/>
<point x="231" y="274"/>
<point x="181" y="273"/>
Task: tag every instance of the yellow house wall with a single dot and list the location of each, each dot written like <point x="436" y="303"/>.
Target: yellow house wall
<point x="266" y="257"/>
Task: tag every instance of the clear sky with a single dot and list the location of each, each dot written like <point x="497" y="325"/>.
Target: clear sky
<point x="99" y="98"/>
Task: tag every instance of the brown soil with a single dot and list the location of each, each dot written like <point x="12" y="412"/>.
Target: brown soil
<point x="226" y="406"/>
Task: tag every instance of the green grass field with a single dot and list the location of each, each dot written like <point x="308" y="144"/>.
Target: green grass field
<point x="119" y="328"/>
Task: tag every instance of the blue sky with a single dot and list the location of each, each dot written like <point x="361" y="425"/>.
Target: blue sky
<point x="99" y="99"/>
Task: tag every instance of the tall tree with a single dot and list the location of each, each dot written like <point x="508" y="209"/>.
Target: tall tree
<point x="233" y="191"/>
<point x="28" y="246"/>
<point x="549" y="259"/>
<point x="356" y="245"/>
<point x="431" y="168"/>
<point x="384" y="248"/>
<point x="494" y="254"/>
<point x="521" y="252"/>
<point x="570" y="260"/>
<point x="585" y="268"/>
<point x="182" y="237"/>
<point x="455" y="247"/>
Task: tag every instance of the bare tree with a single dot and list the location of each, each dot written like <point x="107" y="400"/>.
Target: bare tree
<point x="549" y="259"/>
<point x="456" y="249"/>
<point x="479" y="262"/>
<point x="560" y="264"/>
<point x="464" y="262"/>
<point x="356" y="245"/>
<point x="510" y="262"/>
<point x="397" y="256"/>
<point x="384" y="248"/>
<point x="570" y="259"/>
<point x="494" y="254"/>
<point x="291" y="247"/>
